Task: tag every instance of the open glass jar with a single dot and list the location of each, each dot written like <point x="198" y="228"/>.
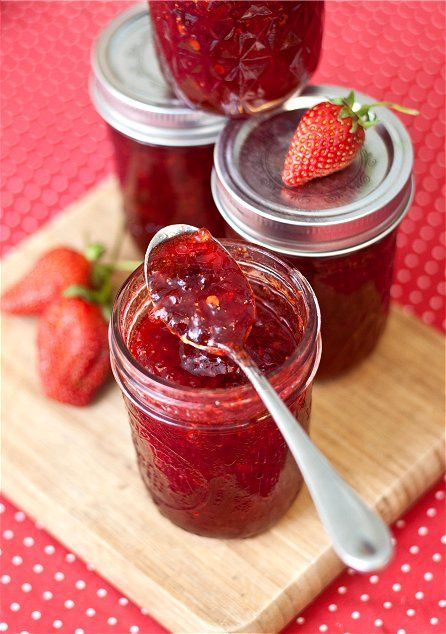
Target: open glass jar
<point x="211" y="457"/>
<point x="238" y="58"/>
<point x="163" y="150"/>
<point x="340" y="231"/>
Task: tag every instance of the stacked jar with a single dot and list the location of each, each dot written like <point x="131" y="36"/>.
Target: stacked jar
<point x="339" y="231"/>
<point x="163" y="149"/>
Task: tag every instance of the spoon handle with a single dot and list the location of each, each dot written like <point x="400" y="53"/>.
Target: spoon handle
<point x="360" y="537"/>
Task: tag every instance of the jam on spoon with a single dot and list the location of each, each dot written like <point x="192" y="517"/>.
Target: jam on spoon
<point x="199" y="292"/>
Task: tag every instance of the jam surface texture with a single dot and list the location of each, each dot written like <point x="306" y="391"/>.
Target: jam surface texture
<point x="199" y="291"/>
<point x="238" y="58"/>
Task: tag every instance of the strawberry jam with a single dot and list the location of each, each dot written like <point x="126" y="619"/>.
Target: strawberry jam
<point x="164" y="185"/>
<point x="238" y="58"/>
<point x="200" y="292"/>
<point x="209" y="454"/>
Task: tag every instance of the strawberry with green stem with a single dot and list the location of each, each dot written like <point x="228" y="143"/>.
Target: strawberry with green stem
<point x="329" y="137"/>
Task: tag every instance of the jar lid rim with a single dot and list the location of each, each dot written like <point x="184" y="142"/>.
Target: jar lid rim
<point x="309" y="219"/>
<point x="129" y="91"/>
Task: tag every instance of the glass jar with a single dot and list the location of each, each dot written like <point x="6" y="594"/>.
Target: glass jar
<point x="238" y="58"/>
<point x="211" y="457"/>
<point x="163" y="150"/>
<point x="339" y="231"/>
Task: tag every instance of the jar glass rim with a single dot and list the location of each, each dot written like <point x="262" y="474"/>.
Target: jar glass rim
<point x="309" y="342"/>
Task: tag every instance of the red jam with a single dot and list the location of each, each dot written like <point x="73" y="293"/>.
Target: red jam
<point x="238" y="58"/>
<point x="353" y="292"/>
<point x="164" y="185"/>
<point x="212" y="459"/>
<point x="199" y="291"/>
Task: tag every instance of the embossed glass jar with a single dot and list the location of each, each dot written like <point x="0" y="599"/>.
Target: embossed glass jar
<point x="163" y="149"/>
<point x="212" y="459"/>
<point x="238" y="58"/>
<point x="339" y="231"/>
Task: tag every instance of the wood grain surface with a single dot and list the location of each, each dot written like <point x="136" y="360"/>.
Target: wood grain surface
<point x="74" y="468"/>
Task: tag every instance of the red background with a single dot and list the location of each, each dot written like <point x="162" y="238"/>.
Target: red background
<point x="54" y="148"/>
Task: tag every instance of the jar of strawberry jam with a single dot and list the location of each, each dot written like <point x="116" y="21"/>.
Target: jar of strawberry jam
<point x="238" y="58"/>
<point x="210" y="456"/>
<point x="339" y="231"/>
<point x="163" y="149"/>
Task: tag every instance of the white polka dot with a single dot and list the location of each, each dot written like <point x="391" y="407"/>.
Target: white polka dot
<point x="355" y="615"/>
<point x="38" y="568"/>
<point x="80" y="584"/>
<point x="90" y="611"/>
<point x="59" y="576"/>
<point x="69" y="604"/>
<point x="332" y="607"/>
<point x="378" y="622"/>
<point x="400" y="524"/>
<point x="123" y="601"/>
<point x="443" y="539"/>
<point x="14" y="607"/>
<point x="442" y="603"/>
<point x="396" y="587"/>
<point x="351" y="572"/>
<point x="428" y="576"/>
<point x="57" y="624"/>
<point x="8" y="534"/>
<point x="410" y="612"/>
<point x="78" y="630"/>
<point x="414" y="550"/>
<point x="49" y="549"/>
<point x="2" y="508"/>
<point x="28" y="542"/>
<point x="47" y="595"/>
<point x="24" y="632"/>
<point x="102" y="592"/>
<point x="90" y="567"/>
<point x="423" y="531"/>
<point x="36" y="615"/>
<point x="364" y="597"/>
<point x="5" y="579"/>
<point x="3" y="627"/>
<point x="439" y="495"/>
<point x="112" y="620"/>
<point x="27" y="587"/>
<point x="436" y="557"/>
<point x="393" y="540"/>
<point x="405" y="568"/>
<point x="419" y="595"/>
<point x="387" y="605"/>
<point x="374" y="579"/>
<point x="144" y="611"/>
<point x="434" y="621"/>
<point x="70" y="558"/>
<point x="401" y="631"/>
<point x="431" y="512"/>
<point x="134" y="629"/>
<point x="17" y="560"/>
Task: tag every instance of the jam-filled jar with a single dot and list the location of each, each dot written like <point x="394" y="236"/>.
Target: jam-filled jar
<point x="238" y="58"/>
<point x="163" y="149"/>
<point x="339" y="231"/>
<point x="209" y="454"/>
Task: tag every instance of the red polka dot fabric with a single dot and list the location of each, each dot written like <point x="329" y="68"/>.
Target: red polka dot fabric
<point x="54" y="148"/>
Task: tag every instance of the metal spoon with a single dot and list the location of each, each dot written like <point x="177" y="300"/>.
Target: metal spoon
<point x="360" y="537"/>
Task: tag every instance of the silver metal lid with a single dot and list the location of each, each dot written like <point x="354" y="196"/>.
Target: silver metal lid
<point x="336" y="214"/>
<point x="129" y="91"/>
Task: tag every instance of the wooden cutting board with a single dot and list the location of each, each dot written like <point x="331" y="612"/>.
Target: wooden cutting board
<point x="74" y="468"/>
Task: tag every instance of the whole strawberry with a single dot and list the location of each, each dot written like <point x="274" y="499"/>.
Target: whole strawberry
<point x="328" y="137"/>
<point x="51" y="274"/>
<point x="73" y="356"/>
